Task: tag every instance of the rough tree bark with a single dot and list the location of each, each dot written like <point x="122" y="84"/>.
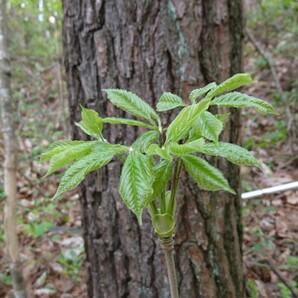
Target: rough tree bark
<point x="10" y="162"/>
<point x="149" y="47"/>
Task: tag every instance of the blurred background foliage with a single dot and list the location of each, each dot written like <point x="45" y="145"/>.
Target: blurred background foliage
<point x="49" y="231"/>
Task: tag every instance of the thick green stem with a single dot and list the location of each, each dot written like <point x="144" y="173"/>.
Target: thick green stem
<point x="175" y="181"/>
<point x="167" y="245"/>
<point x="153" y="208"/>
<point x="162" y="203"/>
<point x="162" y="197"/>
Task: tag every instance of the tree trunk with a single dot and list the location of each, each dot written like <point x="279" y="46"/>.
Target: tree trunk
<point x="10" y="161"/>
<point x="149" y="47"/>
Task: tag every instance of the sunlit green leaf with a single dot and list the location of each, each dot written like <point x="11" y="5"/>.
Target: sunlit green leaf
<point x="230" y="84"/>
<point x="136" y="182"/>
<point x="206" y="176"/>
<point x="223" y="118"/>
<point x="231" y="152"/>
<point x="209" y="126"/>
<point x="154" y="149"/>
<point x="162" y="175"/>
<point x="101" y="155"/>
<point x="195" y="94"/>
<point x="58" y="147"/>
<point x="91" y="123"/>
<point x="184" y="120"/>
<point x="144" y="140"/>
<point x="180" y="149"/>
<point x="131" y="103"/>
<point x="169" y="101"/>
<point x="113" y="120"/>
<point x="69" y="154"/>
<point x="197" y="133"/>
<point x="240" y="100"/>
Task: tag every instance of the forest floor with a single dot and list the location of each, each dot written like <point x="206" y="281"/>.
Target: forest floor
<point x="270" y="221"/>
<point x="50" y="232"/>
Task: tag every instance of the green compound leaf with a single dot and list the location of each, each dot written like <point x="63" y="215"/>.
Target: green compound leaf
<point x="184" y="121"/>
<point x="240" y="100"/>
<point x="132" y="122"/>
<point x="136" y="182"/>
<point x="193" y="146"/>
<point x="193" y="96"/>
<point x="209" y="126"/>
<point x="230" y="84"/>
<point x="101" y="154"/>
<point x="91" y="123"/>
<point x="58" y="147"/>
<point x="154" y="149"/>
<point x="131" y="103"/>
<point x="143" y="142"/>
<point x="169" y="101"/>
<point x="162" y="173"/>
<point x="231" y="152"/>
<point x="206" y="176"/>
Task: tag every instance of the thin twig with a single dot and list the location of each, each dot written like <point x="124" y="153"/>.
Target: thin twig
<point x="274" y="268"/>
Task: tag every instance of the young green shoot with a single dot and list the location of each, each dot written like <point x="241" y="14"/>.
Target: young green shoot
<point x="153" y="162"/>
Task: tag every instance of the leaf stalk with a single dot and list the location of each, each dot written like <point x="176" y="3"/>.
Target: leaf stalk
<point x="175" y="182"/>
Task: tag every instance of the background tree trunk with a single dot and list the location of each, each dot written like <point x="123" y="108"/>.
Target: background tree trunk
<point x="10" y="163"/>
<point x="149" y="47"/>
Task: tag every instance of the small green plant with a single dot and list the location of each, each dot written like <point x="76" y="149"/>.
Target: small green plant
<point x="252" y="288"/>
<point x="153" y="162"/>
<point x="72" y="265"/>
<point x="285" y="291"/>
<point x="37" y="229"/>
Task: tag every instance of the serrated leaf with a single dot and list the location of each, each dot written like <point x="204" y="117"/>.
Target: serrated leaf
<point x="132" y="122"/>
<point x="193" y="146"/>
<point x="136" y="182"/>
<point x="58" y="147"/>
<point x="91" y="123"/>
<point x="231" y="152"/>
<point x="169" y="101"/>
<point x="154" y="149"/>
<point x="69" y="154"/>
<point x="240" y="100"/>
<point x="144" y="141"/>
<point x="162" y="173"/>
<point x="101" y="154"/>
<point x="230" y="84"/>
<point x="184" y="120"/>
<point x="131" y="103"/>
<point x="195" y="94"/>
<point x="206" y="176"/>
<point x="223" y="118"/>
<point x="208" y="126"/>
<point x="76" y="173"/>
